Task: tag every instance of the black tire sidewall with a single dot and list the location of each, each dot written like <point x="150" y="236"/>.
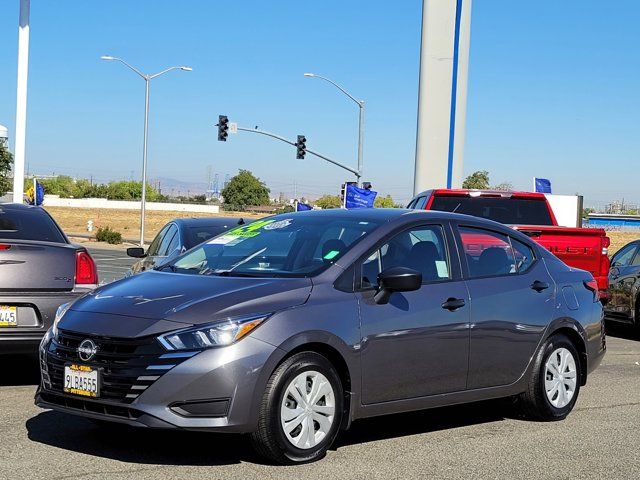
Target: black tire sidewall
<point x="296" y="366"/>
<point x="553" y="344"/>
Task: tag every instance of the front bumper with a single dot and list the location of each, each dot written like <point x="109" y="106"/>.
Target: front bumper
<point x="40" y="308"/>
<point x="217" y="390"/>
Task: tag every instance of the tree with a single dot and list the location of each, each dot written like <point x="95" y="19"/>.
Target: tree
<point x="245" y="189"/>
<point x="130" y="190"/>
<point x="477" y="180"/>
<point x="384" y="202"/>
<point x="328" y="201"/>
<point x="6" y="161"/>
<point x="503" y="187"/>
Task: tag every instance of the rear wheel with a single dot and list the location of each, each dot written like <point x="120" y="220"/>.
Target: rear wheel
<point x="554" y="384"/>
<point x="301" y="410"/>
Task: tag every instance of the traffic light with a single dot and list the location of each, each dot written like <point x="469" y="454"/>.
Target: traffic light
<point x="223" y="128"/>
<point x="301" y="144"/>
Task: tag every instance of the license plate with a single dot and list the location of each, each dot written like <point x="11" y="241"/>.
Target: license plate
<point x="8" y="316"/>
<point x="81" y="380"/>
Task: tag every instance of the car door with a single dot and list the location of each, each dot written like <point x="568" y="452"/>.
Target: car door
<point x="512" y="302"/>
<point x="417" y="344"/>
<point x="623" y="275"/>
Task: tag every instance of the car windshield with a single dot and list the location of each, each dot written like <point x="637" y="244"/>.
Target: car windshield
<point x="197" y="235"/>
<point x="282" y="246"/>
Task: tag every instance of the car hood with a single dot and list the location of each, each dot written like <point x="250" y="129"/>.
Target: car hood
<point x="193" y="299"/>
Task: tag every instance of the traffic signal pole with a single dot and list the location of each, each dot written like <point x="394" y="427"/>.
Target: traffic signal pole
<point x="295" y="144"/>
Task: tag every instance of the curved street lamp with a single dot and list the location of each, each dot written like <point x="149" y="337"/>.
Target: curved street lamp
<point x="360" y="104"/>
<point x="147" y="79"/>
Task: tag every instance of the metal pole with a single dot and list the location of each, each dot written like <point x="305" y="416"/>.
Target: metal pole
<point x="21" y="103"/>
<point x="360" y="104"/>
<point x="319" y="155"/>
<point x="360" y="137"/>
<point x="144" y="160"/>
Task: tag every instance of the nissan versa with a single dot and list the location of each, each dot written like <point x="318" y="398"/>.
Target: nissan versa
<point x="293" y="326"/>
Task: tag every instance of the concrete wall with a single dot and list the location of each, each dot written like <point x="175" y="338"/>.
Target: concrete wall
<point x="102" y="203"/>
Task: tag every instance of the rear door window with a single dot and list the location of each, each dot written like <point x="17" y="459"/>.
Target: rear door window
<point x="29" y="224"/>
<point x="523" y="255"/>
<point x="488" y="253"/>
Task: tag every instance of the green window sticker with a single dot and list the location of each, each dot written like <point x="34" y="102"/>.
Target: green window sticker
<point x="331" y="255"/>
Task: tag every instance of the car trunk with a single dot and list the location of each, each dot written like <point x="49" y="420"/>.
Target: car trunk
<point x="27" y="266"/>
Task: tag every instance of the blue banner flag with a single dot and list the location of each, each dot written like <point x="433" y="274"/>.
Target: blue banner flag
<point x="359" y="197"/>
<point x="35" y="194"/>
<point x="542" y="185"/>
<point x="303" y="207"/>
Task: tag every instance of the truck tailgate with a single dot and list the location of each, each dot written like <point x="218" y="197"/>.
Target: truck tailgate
<point x="584" y="248"/>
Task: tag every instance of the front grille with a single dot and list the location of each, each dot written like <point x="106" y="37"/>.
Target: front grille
<point x="128" y="366"/>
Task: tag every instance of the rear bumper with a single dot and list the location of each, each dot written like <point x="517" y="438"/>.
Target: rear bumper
<point x="41" y="307"/>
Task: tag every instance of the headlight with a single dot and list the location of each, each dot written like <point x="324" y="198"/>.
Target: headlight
<point x="62" y="309"/>
<point x="217" y="334"/>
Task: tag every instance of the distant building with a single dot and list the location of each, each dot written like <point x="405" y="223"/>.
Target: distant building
<point x="611" y="221"/>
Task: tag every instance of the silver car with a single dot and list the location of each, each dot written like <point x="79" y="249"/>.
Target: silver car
<point x="293" y="326"/>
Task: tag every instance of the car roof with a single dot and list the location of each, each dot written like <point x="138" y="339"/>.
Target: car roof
<point x="379" y="214"/>
<point x="18" y="207"/>
<point x="209" y="221"/>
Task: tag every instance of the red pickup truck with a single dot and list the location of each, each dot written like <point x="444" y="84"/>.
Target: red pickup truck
<point x="530" y="213"/>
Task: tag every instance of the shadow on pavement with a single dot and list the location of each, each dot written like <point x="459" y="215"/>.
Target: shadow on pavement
<point x="138" y="445"/>
<point x="621" y="330"/>
<point x="425" y="421"/>
<point x="19" y="370"/>
<point x="158" y="447"/>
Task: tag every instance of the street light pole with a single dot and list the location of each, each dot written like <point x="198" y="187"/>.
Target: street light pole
<point x="147" y="79"/>
<point x="360" y="104"/>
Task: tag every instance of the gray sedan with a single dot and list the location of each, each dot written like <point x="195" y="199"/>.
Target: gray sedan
<point x="177" y="237"/>
<point x="293" y="326"/>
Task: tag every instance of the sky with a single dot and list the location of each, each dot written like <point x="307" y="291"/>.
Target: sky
<point x="553" y="91"/>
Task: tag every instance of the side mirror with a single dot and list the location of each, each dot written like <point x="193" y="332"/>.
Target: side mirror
<point x="136" y="252"/>
<point x="396" y="279"/>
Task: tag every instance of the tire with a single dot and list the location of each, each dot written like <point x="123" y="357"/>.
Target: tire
<point x="539" y="404"/>
<point x="283" y="396"/>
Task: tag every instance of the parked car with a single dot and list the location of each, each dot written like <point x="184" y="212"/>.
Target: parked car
<point x="39" y="270"/>
<point x="177" y="237"/>
<point x="530" y="213"/>
<point x="293" y="326"/>
<point x="624" y="285"/>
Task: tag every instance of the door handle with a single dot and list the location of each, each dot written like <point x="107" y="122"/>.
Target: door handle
<point x="539" y="286"/>
<point x="453" y="304"/>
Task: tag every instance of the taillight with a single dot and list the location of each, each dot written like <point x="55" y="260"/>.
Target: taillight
<point x="4" y="246"/>
<point x="86" y="271"/>
<point x="592" y="285"/>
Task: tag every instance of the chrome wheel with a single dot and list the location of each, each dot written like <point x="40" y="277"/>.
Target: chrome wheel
<point x="308" y="409"/>
<point x="560" y="377"/>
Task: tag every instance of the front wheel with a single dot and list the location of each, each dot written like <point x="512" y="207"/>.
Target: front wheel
<point x="555" y="381"/>
<point x="301" y="410"/>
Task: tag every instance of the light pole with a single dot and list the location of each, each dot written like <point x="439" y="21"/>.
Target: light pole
<point x="360" y="104"/>
<point x="147" y="79"/>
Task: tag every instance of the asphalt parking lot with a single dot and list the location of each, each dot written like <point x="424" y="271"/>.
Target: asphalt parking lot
<point x="485" y="440"/>
<point x="112" y="263"/>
